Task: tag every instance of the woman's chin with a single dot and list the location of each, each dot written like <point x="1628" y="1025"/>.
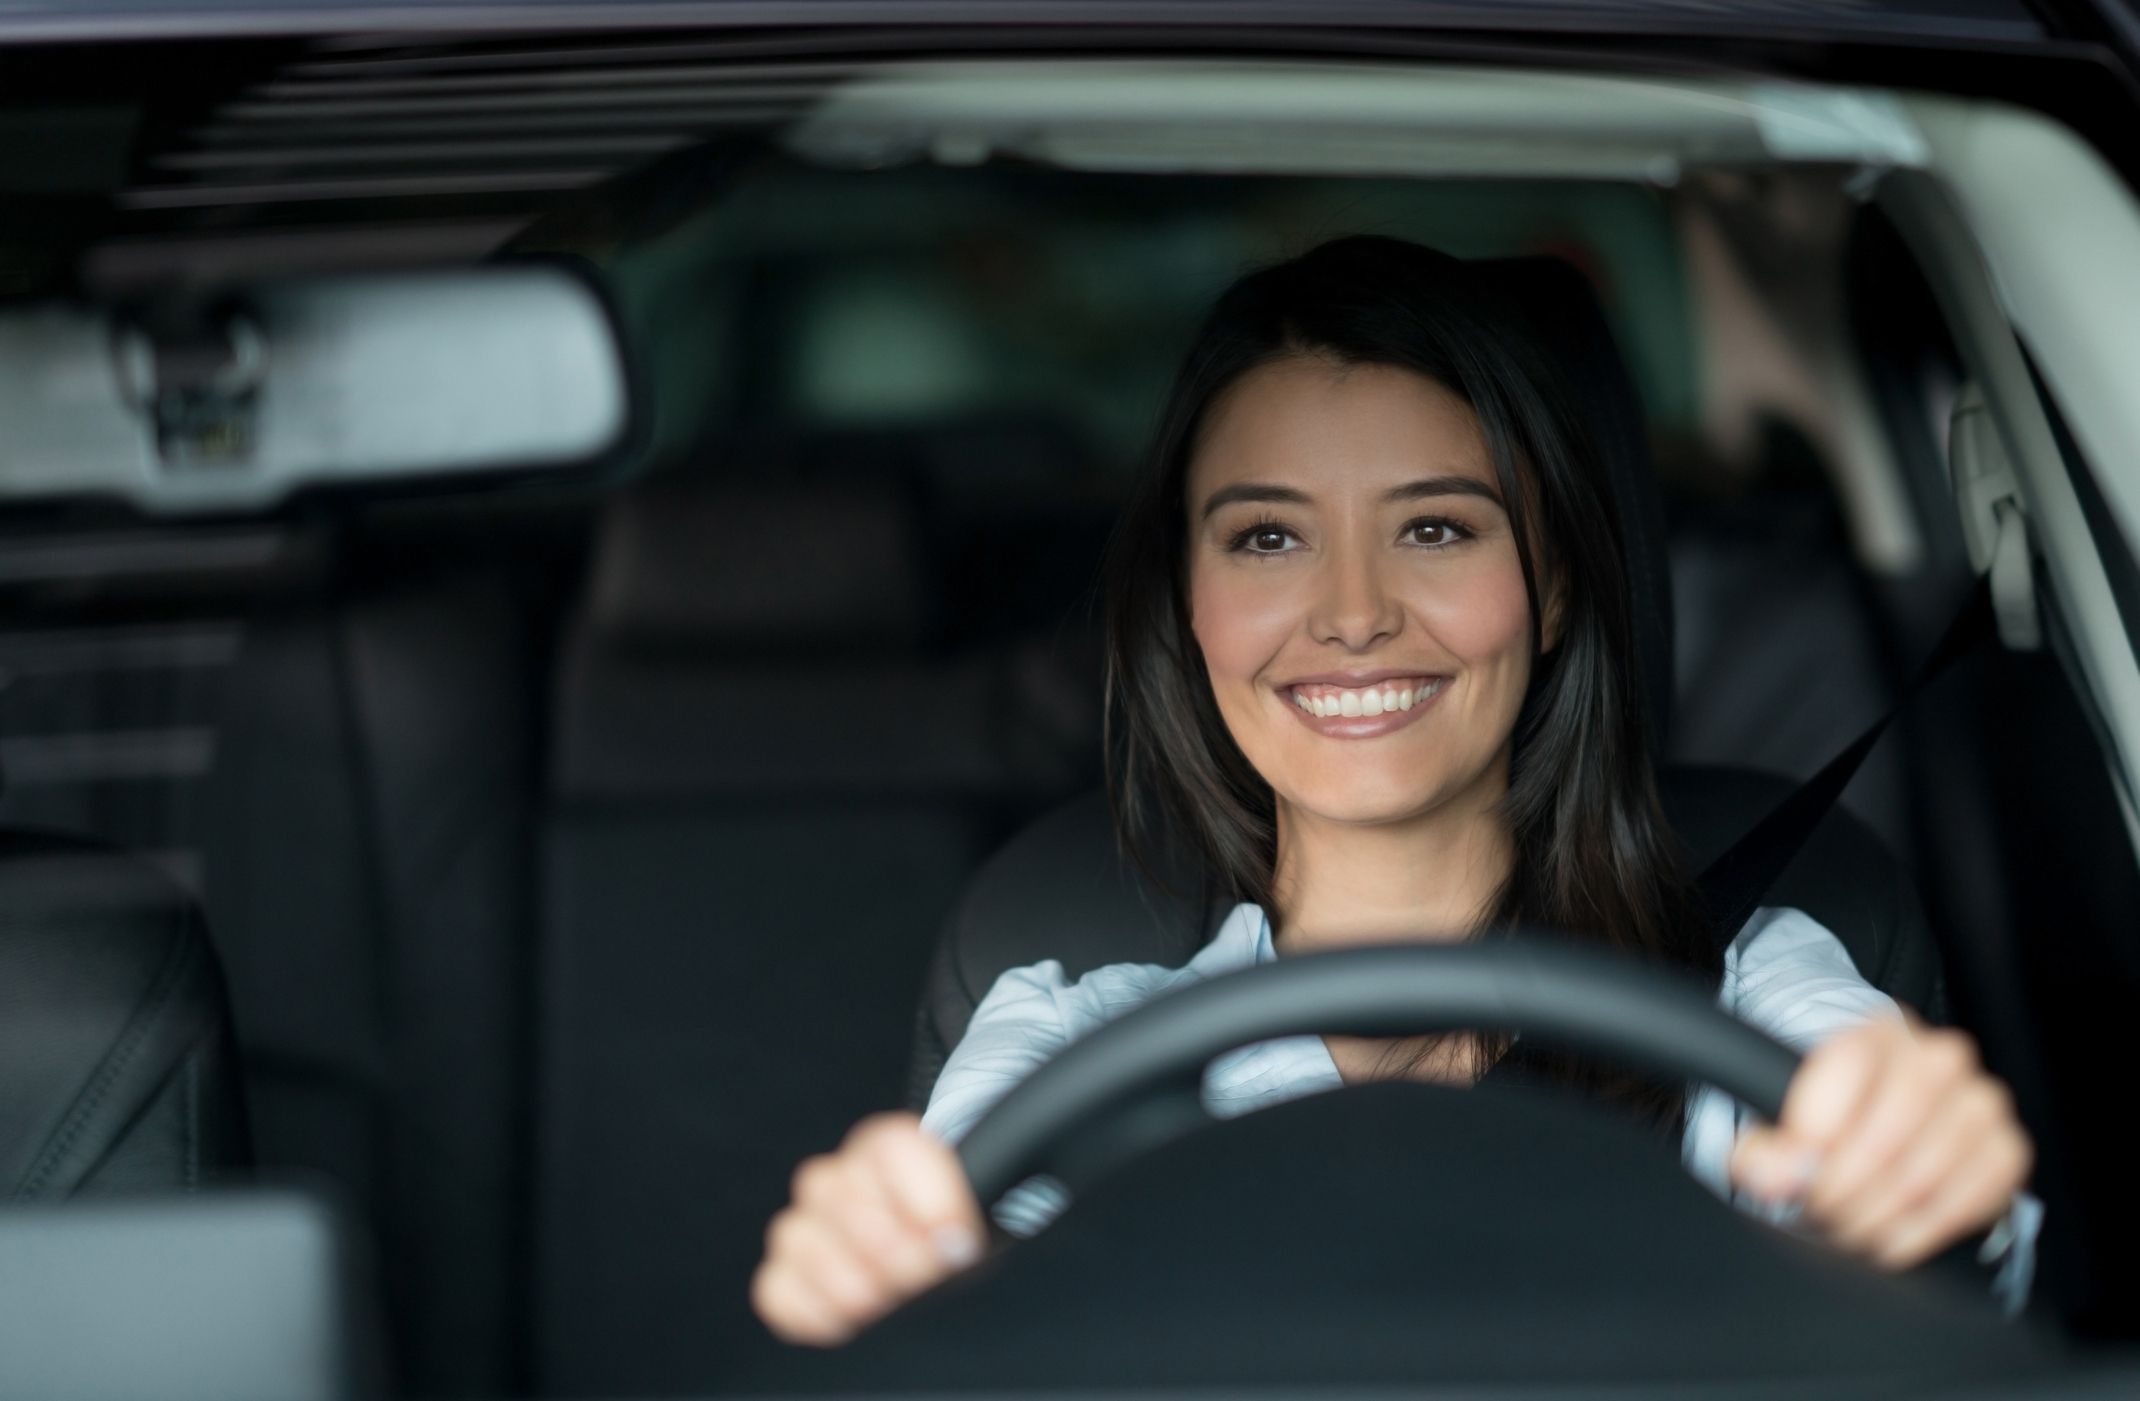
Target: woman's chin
<point x="1374" y="808"/>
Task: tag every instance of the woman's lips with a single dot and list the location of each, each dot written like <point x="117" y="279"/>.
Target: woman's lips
<point x="1421" y="692"/>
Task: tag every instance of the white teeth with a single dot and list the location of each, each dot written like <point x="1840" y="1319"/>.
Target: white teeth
<point x="1365" y="702"/>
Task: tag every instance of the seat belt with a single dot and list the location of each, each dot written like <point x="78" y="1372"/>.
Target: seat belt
<point x="1735" y="882"/>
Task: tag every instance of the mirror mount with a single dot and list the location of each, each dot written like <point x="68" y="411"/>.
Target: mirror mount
<point x="197" y="383"/>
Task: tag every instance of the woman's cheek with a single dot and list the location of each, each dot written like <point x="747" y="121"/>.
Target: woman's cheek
<point x="1480" y="619"/>
<point x="1239" y="624"/>
<point x="1476" y="616"/>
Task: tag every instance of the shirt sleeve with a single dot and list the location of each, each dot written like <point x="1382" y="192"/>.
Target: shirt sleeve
<point x="1018" y="1027"/>
<point x="1032" y="1013"/>
<point x="1790" y="976"/>
<point x="1023" y="1021"/>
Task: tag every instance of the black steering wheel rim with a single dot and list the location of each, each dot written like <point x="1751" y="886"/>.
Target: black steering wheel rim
<point x="1137" y="1082"/>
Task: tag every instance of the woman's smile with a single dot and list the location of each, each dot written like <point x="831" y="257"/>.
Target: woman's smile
<point x="1364" y="707"/>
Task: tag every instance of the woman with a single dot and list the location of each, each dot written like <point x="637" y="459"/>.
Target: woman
<point x="1369" y="646"/>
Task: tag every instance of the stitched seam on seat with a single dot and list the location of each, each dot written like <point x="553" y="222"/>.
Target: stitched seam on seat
<point x="168" y="1091"/>
<point x="153" y="1006"/>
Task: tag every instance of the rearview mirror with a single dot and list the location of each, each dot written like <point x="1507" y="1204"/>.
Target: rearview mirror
<point x="234" y="404"/>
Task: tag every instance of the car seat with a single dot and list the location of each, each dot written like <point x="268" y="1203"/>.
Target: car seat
<point x="117" y="1069"/>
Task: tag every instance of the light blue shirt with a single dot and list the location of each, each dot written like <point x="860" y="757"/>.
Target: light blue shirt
<point x="1785" y="973"/>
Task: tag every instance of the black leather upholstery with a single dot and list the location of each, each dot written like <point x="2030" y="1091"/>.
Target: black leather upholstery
<point x="678" y="564"/>
<point x="1063" y="889"/>
<point x="116" y="1065"/>
<point x="758" y="821"/>
<point x="369" y="855"/>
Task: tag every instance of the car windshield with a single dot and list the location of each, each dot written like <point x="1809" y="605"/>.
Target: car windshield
<point x="580" y="841"/>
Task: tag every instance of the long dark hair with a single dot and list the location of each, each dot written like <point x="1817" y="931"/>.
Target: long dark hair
<point x="1593" y="856"/>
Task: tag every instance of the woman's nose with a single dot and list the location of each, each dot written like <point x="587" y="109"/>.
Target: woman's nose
<point x="1354" y="609"/>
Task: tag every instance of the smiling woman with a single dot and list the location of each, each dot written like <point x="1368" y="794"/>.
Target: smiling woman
<point x="1440" y="519"/>
<point x="1317" y="620"/>
<point x="1369" y="415"/>
<point x="1370" y="648"/>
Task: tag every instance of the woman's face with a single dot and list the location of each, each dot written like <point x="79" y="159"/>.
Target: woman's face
<point x="1355" y="589"/>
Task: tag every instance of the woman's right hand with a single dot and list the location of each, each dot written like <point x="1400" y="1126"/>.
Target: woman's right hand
<point x="873" y="1223"/>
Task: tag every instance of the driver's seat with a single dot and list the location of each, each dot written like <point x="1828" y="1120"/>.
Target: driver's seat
<point x="1063" y="889"/>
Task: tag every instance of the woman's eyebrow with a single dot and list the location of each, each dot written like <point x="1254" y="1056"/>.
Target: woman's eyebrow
<point x="1271" y="494"/>
<point x="1443" y="486"/>
<point x="1253" y="491"/>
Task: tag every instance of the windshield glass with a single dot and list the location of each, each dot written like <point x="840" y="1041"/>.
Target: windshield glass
<point x="581" y="851"/>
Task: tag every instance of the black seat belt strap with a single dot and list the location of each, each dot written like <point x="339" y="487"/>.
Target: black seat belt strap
<point x="1735" y="882"/>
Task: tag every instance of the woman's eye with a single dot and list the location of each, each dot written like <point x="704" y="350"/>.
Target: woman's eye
<point x="1433" y="534"/>
<point x="1263" y="540"/>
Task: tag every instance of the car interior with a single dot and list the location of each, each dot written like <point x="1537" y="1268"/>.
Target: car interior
<point x="540" y="865"/>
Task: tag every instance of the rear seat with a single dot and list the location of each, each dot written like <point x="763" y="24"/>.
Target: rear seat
<point x="336" y="757"/>
<point x="369" y="861"/>
<point x="769" y="779"/>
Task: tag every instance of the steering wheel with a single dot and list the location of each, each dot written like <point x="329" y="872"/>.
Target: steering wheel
<point x="1486" y="1267"/>
<point x="1137" y="1083"/>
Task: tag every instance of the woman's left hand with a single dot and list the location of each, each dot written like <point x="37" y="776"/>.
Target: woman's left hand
<point x="1896" y="1140"/>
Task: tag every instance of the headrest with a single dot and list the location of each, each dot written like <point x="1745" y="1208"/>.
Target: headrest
<point x="1564" y="313"/>
<point x="683" y="560"/>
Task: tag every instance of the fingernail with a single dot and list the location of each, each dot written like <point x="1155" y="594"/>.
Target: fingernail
<point x="956" y="1246"/>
